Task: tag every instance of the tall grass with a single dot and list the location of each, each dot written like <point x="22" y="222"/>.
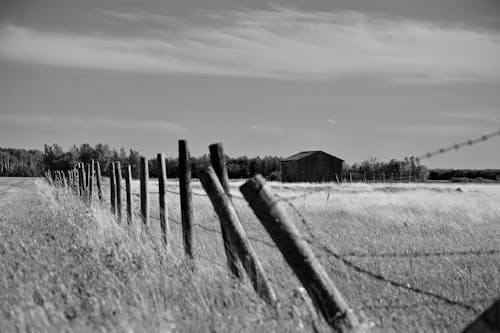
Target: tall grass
<point x="65" y="266"/>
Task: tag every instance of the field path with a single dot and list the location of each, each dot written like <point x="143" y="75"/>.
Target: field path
<point x="9" y="186"/>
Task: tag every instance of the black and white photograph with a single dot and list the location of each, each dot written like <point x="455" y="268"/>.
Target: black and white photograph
<point x="249" y="166"/>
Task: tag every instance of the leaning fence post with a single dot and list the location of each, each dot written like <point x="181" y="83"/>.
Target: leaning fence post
<point x="162" y="183"/>
<point x="298" y="255"/>
<point x="144" y="191"/>
<point x="118" y="184"/>
<point x="99" y="180"/>
<point x="229" y="219"/>
<point x="186" y="197"/>
<point x="84" y="179"/>
<point x="112" y="187"/>
<point x="219" y="165"/>
<point x="128" y="184"/>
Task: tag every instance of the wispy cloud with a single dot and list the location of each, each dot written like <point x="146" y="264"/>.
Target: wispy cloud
<point x="277" y="43"/>
<point x="89" y="122"/>
<point x="268" y="129"/>
<point x="331" y="121"/>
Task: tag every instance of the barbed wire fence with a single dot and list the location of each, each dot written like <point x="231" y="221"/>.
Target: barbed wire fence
<point x="348" y="258"/>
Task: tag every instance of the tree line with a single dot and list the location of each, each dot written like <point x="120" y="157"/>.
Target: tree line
<point x="28" y="163"/>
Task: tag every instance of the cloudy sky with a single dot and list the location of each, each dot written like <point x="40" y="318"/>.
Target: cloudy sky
<point x="355" y="78"/>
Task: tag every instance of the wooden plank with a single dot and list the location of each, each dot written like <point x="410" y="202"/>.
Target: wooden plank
<point x="228" y="217"/>
<point x="162" y="183"/>
<point x="219" y="165"/>
<point x="298" y="255"/>
<point x="186" y="199"/>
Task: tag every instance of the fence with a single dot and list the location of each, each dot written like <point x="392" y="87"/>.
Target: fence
<point x="241" y="258"/>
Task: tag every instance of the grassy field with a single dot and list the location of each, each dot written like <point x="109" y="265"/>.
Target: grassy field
<point x="65" y="267"/>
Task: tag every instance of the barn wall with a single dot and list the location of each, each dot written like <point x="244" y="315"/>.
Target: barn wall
<point x="319" y="167"/>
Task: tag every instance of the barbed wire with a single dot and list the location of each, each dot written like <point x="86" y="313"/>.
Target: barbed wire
<point x="406" y="286"/>
<point x="457" y="146"/>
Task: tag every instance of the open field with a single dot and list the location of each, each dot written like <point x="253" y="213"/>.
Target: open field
<point x="65" y="266"/>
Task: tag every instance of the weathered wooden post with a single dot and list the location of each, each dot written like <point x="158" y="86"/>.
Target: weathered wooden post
<point x="84" y="179"/>
<point x="298" y="255"/>
<point x="99" y="181"/>
<point x="229" y="219"/>
<point x="128" y="184"/>
<point x="112" y="187"/>
<point x="144" y="191"/>
<point x="488" y="321"/>
<point x="162" y="183"/>
<point x="219" y="165"/>
<point x="118" y="184"/>
<point x="91" y="181"/>
<point x="350" y="177"/>
<point x="81" y="187"/>
<point x="186" y="197"/>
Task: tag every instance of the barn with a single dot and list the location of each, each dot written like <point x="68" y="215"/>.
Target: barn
<point x="311" y="166"/>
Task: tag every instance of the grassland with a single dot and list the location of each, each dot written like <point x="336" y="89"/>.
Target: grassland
<point x="65" y="267"/>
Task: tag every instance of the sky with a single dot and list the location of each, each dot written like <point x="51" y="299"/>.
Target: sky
<point x="354" y="78"/>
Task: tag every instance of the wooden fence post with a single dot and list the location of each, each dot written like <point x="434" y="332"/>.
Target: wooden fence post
<point x="229" y="219"/>
<point x="162" y="183"/>
<point x="128" y="184"/>
<point x="99" y="181"/>
<point x="81" y="188"/>
<point x="112" y="187"/>
<point x="298" y="255"/>
<point x="84" y="179"/>
<point x="488" y="321"/>
<point x="350" y="177"/>
<point x="144" y="191"/>
<point x="219" y="165"/>
<point x="184" y="171"/>
<point x="118" y="184"/>
<point x="91" y="181"/>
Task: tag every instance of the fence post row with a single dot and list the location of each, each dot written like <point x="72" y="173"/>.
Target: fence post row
<point x="229" y="219"/>
<point x="298" y="255"/>
<point x="219" y="165"/>
<point x="118" y="184"/>
<point x="144" y="191"/>
<point x="128" y="184"/>
<point x="186" y="199"/>
<point x="162" y="183"/>
<point x="112" y="187"/>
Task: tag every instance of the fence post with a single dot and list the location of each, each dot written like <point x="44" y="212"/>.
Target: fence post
<point x="229" y="219"/>
<point x="298" y="255"/>
<point x="81" y="188"/>
<point x="488" y="321"/>
<point x="84" y="179"/>
<point x="118" y="184"/>
<point x="91" y="181"/>
<point x="350" y="177"/>
<point x="186" y="197"/>
<point x="144" y="191"/>
<point x="128" y="184"/>
<point x="219" y="165"/>
<point x="162" y="183"/>
<point x="112" y="187"/>
<point x="99" y="180"/>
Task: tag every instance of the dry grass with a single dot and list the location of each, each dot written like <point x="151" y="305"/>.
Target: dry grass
<point x="65" y="267"/>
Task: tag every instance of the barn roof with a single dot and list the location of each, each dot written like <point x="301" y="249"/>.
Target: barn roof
<point x="307" y="153"/>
